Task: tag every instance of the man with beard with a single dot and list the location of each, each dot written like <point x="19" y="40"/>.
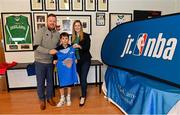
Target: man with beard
<point x="45" y="39"/>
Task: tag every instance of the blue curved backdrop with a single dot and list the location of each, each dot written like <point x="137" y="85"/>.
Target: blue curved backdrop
<point x="150" y="46"/>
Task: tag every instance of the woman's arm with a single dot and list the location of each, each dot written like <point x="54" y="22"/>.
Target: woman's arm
<point x="86" y="43"/>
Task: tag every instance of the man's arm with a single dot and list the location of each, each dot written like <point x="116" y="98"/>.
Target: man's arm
<point x="37" y="42"/>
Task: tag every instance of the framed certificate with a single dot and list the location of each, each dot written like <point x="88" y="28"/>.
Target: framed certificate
<point x="102" y="5"/>
<point x="100" y="19"/>
<point x="50" y="5"/>
<point x="118" y="18"/>
<point x="36" y="5"/>
<point x="17" y="31"/>
<point x="66" y="22"/>
<point x="64" y="5"/>
<point x="90" y="5"/>
<point x="77" y="5"/>
<point x="40" y="20"/>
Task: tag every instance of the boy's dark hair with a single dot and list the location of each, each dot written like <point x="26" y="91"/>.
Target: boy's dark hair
<point x="51" y="15"/>
<point x="64" y="34"/>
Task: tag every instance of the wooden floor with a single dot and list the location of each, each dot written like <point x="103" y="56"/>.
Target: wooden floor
<point x="26" y="102"/>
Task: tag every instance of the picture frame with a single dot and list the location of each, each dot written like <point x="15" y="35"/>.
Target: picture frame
<point x="36" y="5"/>
<point x="50" y="5"/>
<point x="77" y="5"/>
<point x="145" y="14"/>
<point x="116" y="19"/>
<point x="90" y="5"/>
<point x="17" y="31"/>
<point x="66" y="23"/>
<point x="64" y="5"/>
<point x="40" y="20"/>
<point x="102" y="5"/>
<point x="100" y="19"/>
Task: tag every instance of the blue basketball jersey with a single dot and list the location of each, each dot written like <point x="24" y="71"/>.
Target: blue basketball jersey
<point x="67" y="74"/>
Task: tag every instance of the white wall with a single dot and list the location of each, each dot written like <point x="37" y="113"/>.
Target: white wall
<point x="98" y="32"/>
<point x="177" y="5"/>
<point x="166" y="6"/>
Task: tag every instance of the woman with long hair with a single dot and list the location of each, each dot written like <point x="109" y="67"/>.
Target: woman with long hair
<point x="81" y="41"/>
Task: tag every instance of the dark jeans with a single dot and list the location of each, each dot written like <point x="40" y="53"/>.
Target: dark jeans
<point x="44" y="72"/>
<point x="83" y="69"/>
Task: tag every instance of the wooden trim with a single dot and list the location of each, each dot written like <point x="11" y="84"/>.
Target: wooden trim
<point x="2" y="55"/>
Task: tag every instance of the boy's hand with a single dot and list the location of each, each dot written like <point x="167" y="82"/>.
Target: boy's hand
<point x="55" y="62"/>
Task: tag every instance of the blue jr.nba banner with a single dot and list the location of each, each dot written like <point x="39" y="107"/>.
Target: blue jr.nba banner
<point x="151" y="46"/>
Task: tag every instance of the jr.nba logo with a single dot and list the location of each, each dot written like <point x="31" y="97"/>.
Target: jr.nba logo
<point x="140" y="43"/>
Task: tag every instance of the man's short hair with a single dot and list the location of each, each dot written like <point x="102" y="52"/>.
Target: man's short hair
<point x="51" y="15"/>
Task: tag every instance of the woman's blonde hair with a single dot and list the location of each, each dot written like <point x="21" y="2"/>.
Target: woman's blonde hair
<point x="74" y="34"/>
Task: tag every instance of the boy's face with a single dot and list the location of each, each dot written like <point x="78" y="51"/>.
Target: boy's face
<point x="64" y="40"/>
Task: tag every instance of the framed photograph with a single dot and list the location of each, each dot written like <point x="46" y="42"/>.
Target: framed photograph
<point x="118" y="18"/>
<point x="90" y="5"/>
<point x="36" y="5"/>
<point x="100" y="19"/>
<point x="64" y="5"/>
<point x="17" y="31"/>
<point x="145" y="14"/>
<point x="40" y="20"/>
<point x="77" y="5"/>
<point x="102" y="5"/>
<point x="66" y="22"/>
<point x="50" y="5"/>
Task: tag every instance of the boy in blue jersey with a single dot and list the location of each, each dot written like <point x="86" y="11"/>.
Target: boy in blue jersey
<point x="66" y="67"/>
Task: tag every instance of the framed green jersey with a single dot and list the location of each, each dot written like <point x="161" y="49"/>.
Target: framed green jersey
<point x="17" y="31"/>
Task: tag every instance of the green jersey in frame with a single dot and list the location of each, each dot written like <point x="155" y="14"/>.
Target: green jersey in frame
<point x="17" y="30"/>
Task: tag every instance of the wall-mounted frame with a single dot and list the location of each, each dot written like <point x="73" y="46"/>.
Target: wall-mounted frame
<point x="145" y="14"/>
<point x="50" y="5"/>
<point x="40" y="20"/>
<point x="118" y="18"/>
<point x="90" y="5"/>
<point x="17" y="31"/>
<point x="102" y="5"/>
<point x="100" y="19"/>
<point x="36" y="5"/>
<point x="66" y="22"/>
<point x="64" y="5"/>
<point x="77" y="5"/>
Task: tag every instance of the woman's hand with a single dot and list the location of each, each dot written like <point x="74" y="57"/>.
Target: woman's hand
<point x="77" y="46"/>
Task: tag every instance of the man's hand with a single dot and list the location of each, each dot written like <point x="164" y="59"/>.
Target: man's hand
<point x="52" y="51"/>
